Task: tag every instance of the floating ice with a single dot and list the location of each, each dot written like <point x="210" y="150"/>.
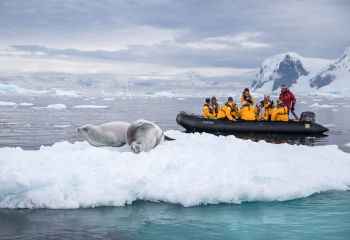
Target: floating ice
<point x="7" y="88"/>
<point x="90" y="106"/>
<point x="25" y="104"/>
<point x="53" y="106"/>
<point x="62" y="126"/>
<point x="195" y="169"/>
<point x="12" y="104"/>
<point x="347" y="145"/>
<point x="316" y="105"/>
<point x="9" y="104"/>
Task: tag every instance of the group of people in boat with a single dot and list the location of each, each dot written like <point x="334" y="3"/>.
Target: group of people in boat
<point x="265" y="110"/>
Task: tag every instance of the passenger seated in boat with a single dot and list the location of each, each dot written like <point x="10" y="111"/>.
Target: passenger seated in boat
<point x="207" y="109"/>
<point x="269" y="106"/>
<point x="281" y="113"/>
<point x="215" y="106"/>
<point x="228" y="111"/>
<point x="247" y="112"/>
<point x="247" y="97"/>
<point x="259" y="111"/>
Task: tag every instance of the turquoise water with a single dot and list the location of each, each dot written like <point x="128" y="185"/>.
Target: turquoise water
<point x="320" y="216"/>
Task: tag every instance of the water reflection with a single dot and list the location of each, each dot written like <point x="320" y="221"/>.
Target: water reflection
<point x="293" y="139"/>
<point x="308" y="140"/>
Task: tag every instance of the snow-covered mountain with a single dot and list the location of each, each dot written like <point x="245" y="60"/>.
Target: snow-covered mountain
<point x="303" y="74"/>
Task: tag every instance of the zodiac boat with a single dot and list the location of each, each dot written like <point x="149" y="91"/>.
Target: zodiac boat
<point x="197" y="123"/>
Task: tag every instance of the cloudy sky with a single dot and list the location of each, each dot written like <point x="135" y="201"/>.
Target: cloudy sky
<point x="158" y="39"/>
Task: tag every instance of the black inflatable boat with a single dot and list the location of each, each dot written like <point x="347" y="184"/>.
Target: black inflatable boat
<point x="197" y="123"/>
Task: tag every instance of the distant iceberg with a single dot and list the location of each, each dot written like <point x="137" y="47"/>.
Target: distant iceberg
<point x="7" y="88"/>
<point x="53" y="106"/>
<point x="13" y="104"/>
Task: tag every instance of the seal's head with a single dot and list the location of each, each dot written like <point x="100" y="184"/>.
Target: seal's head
<point x="85" y="130"/>
<point x="136" y="147"/>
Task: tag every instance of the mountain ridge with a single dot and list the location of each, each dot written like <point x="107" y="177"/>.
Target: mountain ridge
<point x="303" y="74"/>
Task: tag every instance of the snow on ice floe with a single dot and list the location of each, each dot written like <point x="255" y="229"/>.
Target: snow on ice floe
<point x="90" y="106"/>
<point x="195" y="169"/>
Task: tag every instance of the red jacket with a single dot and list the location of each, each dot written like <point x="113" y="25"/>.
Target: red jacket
<point x="287" y="98"/>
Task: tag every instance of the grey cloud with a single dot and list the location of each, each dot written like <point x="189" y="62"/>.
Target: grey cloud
<point x="310" y="28"/>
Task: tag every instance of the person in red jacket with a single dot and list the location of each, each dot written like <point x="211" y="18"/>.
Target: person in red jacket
<point x="287" y="98"/>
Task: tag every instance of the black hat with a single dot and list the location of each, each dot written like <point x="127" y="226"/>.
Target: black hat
<point x="247" y="89"/>
<point x="230" y="99"/>
<point x="262" y="102"/>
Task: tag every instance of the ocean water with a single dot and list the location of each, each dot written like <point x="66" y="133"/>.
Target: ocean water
<point x="319" y="208"/>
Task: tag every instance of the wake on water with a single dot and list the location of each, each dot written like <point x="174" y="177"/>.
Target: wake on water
<point x="195" y="169"/>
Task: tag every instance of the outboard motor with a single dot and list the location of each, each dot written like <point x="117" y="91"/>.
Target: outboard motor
<point x="309" y="117"/>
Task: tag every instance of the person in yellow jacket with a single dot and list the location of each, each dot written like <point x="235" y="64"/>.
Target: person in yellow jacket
<point x="246" y="97"/>
<point x="227" y="111"/>
<point x="215" y="106"/>
<point x="207" y="109"/>
<point x="281" y="113"/>
<point x="269" y="106"/>
<point x="259" y="111"/>
<point x="247" y="112"/>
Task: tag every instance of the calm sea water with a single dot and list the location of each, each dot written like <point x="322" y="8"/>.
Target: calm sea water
<point x="320" y="216"/>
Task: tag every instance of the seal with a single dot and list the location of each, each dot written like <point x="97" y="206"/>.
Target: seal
<point x="143" y="135"/>
<point x="108" y="134"/>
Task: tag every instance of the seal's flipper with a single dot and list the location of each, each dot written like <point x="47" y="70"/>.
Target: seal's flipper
<point x="117" y="144"/>
<point x="158" y="140"/>
<point x="166" y="138"/>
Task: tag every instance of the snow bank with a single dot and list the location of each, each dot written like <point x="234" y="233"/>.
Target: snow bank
<point x="195" y="169"/>
<point x="7" y="88"/>
<point x="90" y="106"/>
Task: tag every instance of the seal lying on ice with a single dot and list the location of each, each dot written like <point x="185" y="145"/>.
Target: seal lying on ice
<point x="143" y="135"/>
<point x="108" y="134"/>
